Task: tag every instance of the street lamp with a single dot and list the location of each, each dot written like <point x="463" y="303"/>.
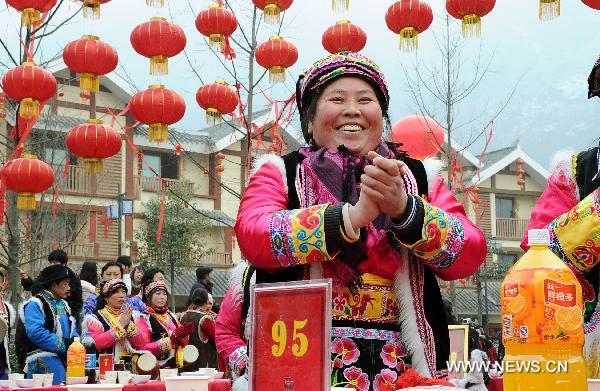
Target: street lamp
<point x="124" y="207"/>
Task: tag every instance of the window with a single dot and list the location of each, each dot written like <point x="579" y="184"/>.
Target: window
<point x="152" y="161"/>
<point x="165" y="165"/>
<point x="506" y="260"/>
<point x="63" y="230"/>
<point x="505" y="207"/>
<point x="55" y="156"/>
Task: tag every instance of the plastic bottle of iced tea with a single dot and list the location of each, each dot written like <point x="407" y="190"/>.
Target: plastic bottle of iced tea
<point x="542" y="322"/>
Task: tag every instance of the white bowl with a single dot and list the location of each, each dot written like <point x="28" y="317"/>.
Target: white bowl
<point x="179" y="383"/>
<point x="25" y="383"/>
<point x="4" y="383"/>
<point x="218" y="375"/>
<point x="77" y="380"/>
<point x="140" y="379"/>
<point x="95" y="387"/>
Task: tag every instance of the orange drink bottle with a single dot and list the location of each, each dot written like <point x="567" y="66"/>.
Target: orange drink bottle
<point x="542" y="322"/>
<point x="76" y="359"/>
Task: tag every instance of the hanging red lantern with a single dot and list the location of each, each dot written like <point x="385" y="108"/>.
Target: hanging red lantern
<point x="344" y="36"/>
<point x="91" y="8"/>
<point x="158" y="108"/>
<point x="217" y="99"/>
<point x="595" y="4"/>
<point x="93" y="141"/>
<point x="276" y="55"/>
<point x="462" y="281"/>
<point x="85" y="95"/>
<point x="475" y="281"/>
<point x="420" y="136"/>
<point x="2" y="115"/>
<point x="470" y="12"/>
<point x="549" y="9"/>
<point x="272" y="9"/>
<point x="27" y="176"/>
<point x="216" y="23"/>
<point x="409" y="18"/>
<point x="178" y="149"/>
<point x="29" y="85"/>
<point x="205" y="172"/>
<point x="91" y="58"/>
<point x="521" y="182"/>
<point x="520" y="173"/>
<point x="158" y="40"/>
<point x="31" y="10"/>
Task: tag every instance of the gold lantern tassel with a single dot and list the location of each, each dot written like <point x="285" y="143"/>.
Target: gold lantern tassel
<point x="89" y="82"/>
<point x="91" y="9"/>
<point x="471" y="26"/>
<point x="549" y="9"/>
<point x="26" y="201"/>
<point x="158" y="132"/>
<point x="29" y="17"/>
<point x="340" y="5"/>
<point x="277" y="74"/>
<point x="216" y="41"/>
<point x="94" y="165"/>
<point x="409" y="39"/>
<point x="159" y="65"/>
<point x="155" y="3"/>
<point x="272" y="14"/>
<point x="29" y="108"/>
<point x="213" y="116"/>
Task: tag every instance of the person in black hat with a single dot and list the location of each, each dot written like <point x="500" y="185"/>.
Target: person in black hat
<point x="570" y="209"/>
<point x="204" y="281"/>
<point x="50" y="327"/>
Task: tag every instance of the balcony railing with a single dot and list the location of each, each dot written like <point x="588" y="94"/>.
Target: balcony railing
<point x="35" y="253"/>
<point x="509" y="228"/>
<point x="217" y="260"/>
<point x="76" y="179"/>
<point x="156" y="184"/>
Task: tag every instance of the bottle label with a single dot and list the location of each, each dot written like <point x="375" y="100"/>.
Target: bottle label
<point x="560" y="294"/>
<point x="511" y="289"/>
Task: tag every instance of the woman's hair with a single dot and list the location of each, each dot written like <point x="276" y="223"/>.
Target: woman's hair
<point x="199" y="297"/>
<point x="149" y="275"/>
<point x="310" y="111"/>
<point x="109" y="264"/>
<point x="89" y="272"/>
<point x="135" y="269"/>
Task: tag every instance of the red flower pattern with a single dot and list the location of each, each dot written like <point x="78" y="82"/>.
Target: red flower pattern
<point x="392" y="354"/>
<point x="308" y="219"/>
<point x="346" y="350"/>
<point x="358" y="380"/>
<point x="315" y="256"/>
<point x="385" y="381"/>
<point x="339" y="302"/>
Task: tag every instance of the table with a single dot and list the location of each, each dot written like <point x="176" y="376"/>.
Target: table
<point x="216" y="385"/>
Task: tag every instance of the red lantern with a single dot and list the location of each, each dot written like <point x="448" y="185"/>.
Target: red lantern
<point x="217" y="99"/>
<point x="157" y="107"/>
<point x="462" y="281"/>
<point x="158" y="40"/>
<point x="31" y="9"/>
<point x="471" y="12"/>
<point x="29" y="85"/>
<point x="272" y="9"/>
<point x="409" y="18"/>
<point x="595" y="4"/>
<point x="276" y="55"/>
<point x="2" y="100"/>
<point x="205" y="172"/>
<point x="91" y="58"/>
<point x="93" y="141"/>
<point x="549" y="9"/>
<point x="521" y="182"/>
<point x="27" y="176"/>
<point x="344" y="36"/>
<point x="217" y="23"/>
<point x="91" y="8"/>
<point x="2" y="115"/>
<point x="85" y="95"/>
<point x="178" y="149"/>
<point x="420" y="136"/>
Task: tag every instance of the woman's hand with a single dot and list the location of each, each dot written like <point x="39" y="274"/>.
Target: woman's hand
<point x="383" y="183"/>
<point x="366" y="209"/>
<point x="125" y="317"/>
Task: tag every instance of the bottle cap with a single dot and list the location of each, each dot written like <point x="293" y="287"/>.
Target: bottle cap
<point x="538" y="237"/>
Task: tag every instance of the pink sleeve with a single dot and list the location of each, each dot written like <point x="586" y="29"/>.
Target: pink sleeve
<point x="558" y="198"/>
<point x="228" y="333"/>
<point x="474" y="248"/>
<point x="103" y="339"/>
<point x="144" y="339"/>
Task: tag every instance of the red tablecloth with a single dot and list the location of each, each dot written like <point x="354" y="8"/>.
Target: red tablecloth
<point x="150" y="386"/>
<point x="216" y="385"/>
<point x="496" y="384"/>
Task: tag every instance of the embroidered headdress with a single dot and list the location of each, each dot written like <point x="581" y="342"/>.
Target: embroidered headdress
<point x="111" y="286"/>
<point x="153" y="286"/>
<point x="594" y="80"/>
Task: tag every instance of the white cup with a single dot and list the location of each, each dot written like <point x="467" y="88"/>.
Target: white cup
<point x="38" y="379"/>
<point x="12" y="379"/>
<point x="167" y="372"/>
<point x="123" y="377"/>
<point x="48" y="379"/>
<point x="111" y="377"/>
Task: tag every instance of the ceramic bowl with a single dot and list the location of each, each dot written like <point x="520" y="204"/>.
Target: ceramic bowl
<point x="25" y="383"/>
<point x="77" y="380"/>
<point x="140" y="379"/>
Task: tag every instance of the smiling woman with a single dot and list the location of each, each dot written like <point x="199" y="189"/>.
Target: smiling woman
<point x="358" y="210"/>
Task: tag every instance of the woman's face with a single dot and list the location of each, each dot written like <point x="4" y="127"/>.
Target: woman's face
<point x="158" y="277"/>
<point x="348" y="113"/>
<point x="111" y="273"/>
<point x="117" y="299"/>
<point x="158" y="299"/>
<point x="137" y="276"/>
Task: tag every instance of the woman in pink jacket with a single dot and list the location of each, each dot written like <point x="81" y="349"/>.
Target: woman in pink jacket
<point x="360" y="211"/>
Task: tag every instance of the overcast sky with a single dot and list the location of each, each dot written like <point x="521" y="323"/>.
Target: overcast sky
<point x="548" y="62"/>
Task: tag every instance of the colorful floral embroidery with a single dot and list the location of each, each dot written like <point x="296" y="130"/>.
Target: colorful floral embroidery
<point x="385" y="381"/>
<point x="356" y="379"/>
<point x="371" y="302"/>
<point x="443" y="237"/>
<point x="346" y="352"/>
<point x="351" y="332"/>
<point x="298" y="236"/>
<point x="238" y="360"/>
<point x="164" y="345"/>
<point x="392" y="354"/>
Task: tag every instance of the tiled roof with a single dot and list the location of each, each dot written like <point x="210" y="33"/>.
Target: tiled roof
<point x="466" y="299"/>
<point x="217" y="218"/>
<point x="186" y="278"/>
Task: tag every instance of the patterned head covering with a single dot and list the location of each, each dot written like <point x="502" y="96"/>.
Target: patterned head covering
<point x="111" y="286"/>
<point x="336" y="65"/>
<point x="594" y="80"/>
<point x="154" y="286"/>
